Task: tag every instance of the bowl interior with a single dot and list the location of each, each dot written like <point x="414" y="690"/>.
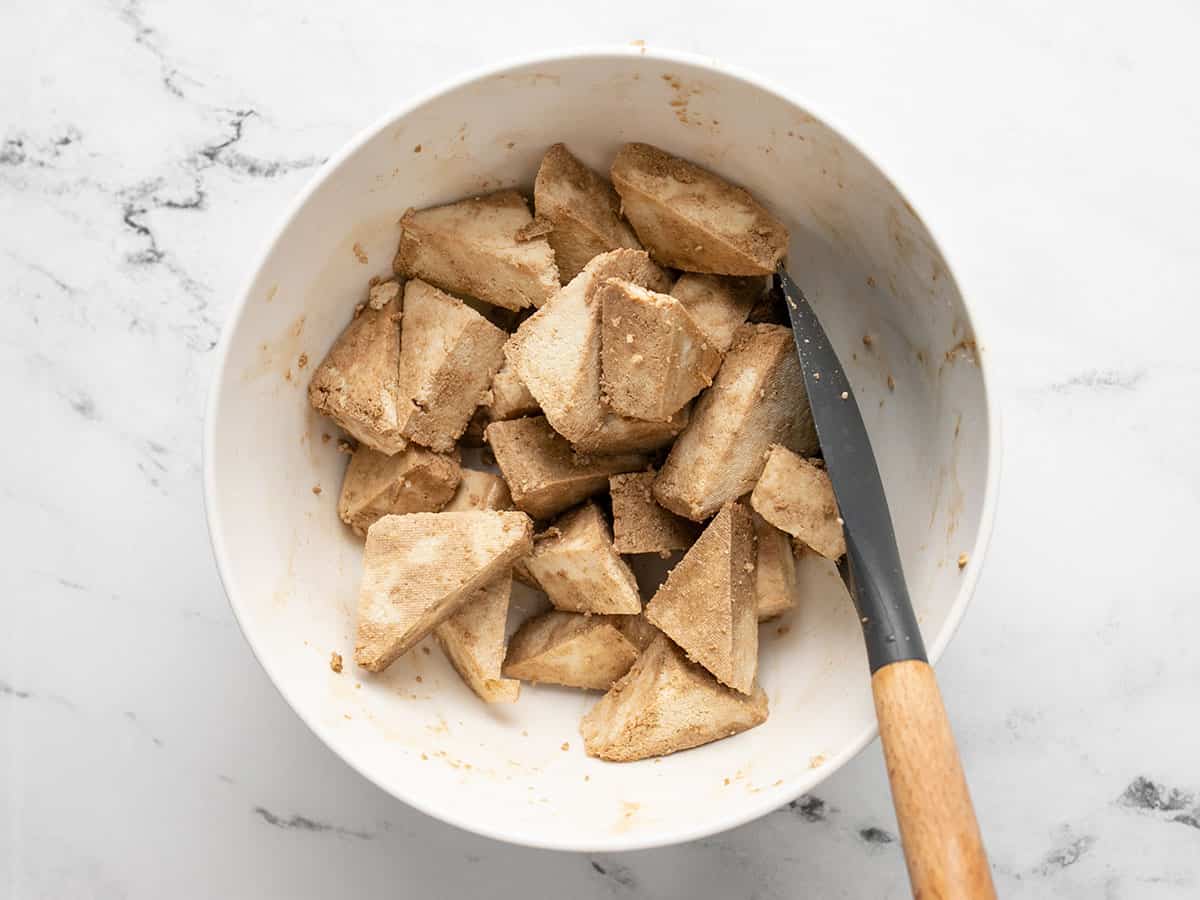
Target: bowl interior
<point x="291" y="569"/>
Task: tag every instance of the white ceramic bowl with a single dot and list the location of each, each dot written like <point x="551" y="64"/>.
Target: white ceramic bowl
<point x="291" y="570"/>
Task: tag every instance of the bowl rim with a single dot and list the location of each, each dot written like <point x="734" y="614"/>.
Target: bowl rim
<point x="460" y="816"/>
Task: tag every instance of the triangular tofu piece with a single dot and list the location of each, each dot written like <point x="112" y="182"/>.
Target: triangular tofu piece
<point x="479" y="490"/>
<point x="544" y="474"/>
<point x="570" y="649"/>
<point x="448" y="355"/>
<point x="576" y="565"/>
<point x="582" y="208"/>
<point x="665" y="704"/>
<point x="556" y="352"/>
<point x="419" y="569"/>
<point x="795" y="495"/>
<point x="654" y="358"/>
<point x="719" y="304"/>
<point x="480" y="247"/>
<point x="775" y="589"/>
<point x="358" y="383"/>
<point x="758" y="399"/>
<point x="640" y="524"/>
<point x="690" y="219"/>
<point x="473" y="640"/>
<point x="377" y="485"/>
<point x="706" y="605"/>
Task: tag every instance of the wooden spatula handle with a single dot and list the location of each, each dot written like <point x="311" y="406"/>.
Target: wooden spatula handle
<point x="942" y="844"/>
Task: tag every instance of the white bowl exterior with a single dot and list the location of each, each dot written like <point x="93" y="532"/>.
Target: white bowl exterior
<point x="519" y="773"/>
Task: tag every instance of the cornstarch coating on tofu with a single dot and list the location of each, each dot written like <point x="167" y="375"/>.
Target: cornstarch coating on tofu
<point x="620" y="434"/>
<point x="479" y="490"/>
<point x="473" y="641"/>
<point x="707" y="603"/>
<point x="719" y="304"/>
<point x="583" y="210"/>
<point x="479" y="247"/>
<point x="640" y="525"/>
<point x="357" y="385"/>
<point x="654" y="358"/>
<point x="570" y="649"/>
<point x="774" y="571"/>
<point x="796" y="496"/>
<point x="544" y="474"/>
<point x="758" y="399"/>
<point x="576" y="565"/>
<point x="556" y="352"/>
<point x="413" y="480"/>
<point x="420" y="568"/>
<point x="664" y="704"/>
<point x="448" y="355"/>
<point x="690" y="219"/>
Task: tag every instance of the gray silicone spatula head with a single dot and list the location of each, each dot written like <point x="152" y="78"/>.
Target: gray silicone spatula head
<point x="876" y="578"/>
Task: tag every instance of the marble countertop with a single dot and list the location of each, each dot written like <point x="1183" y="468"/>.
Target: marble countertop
<point x="147" y="148"/>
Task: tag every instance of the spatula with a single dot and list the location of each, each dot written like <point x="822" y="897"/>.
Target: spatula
<point x="942" y="844"/>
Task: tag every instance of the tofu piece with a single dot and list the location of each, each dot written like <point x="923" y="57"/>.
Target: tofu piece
<point x="479" y="490"/>
<point x="795" y="495"/>
<point x="475" y="247"/>
<point x="510" y="398"/>
<point x="448" y="355"/>
<point x="707" y="605"/>
<point x="570" y="649"/>
<point x="690" y="219"/>
<point x="419" y="569"/>
<point x="719" y="304"/>
<point x="556" y="352"/>
<point x="358" y="383"/>
<point x="377" y="485"/>
<point x="583" y="209"/>
<point x="758" y="399"/>
<point x="640" y="525"/>
<point x="654" y="358"/>
<point x="665" y="704"/>
<point x="775" y="589"/>
<point x="473" y="641"/>
<point x="544" y="474"/>
<point x="576" y="565"/>
<point x="618" y="434"/>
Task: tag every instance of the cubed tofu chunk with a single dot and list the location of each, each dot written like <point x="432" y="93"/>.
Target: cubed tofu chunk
<point x="690" y="219"/>
<point x="448" y="355"/>
<point x="479" y="247"/>
<point x="718" y="304"/>
<point x="570" y="649"/>
<point x="556" y="352"/>
<point x="544" y="474"/>
<point x="583" y="210"/>
<point x="654" y="358"/>
<point x="640" y="524"/>
<point x="576" y="565"/>
<point x="775" y="589"/>
<point x="757" y="400"/>
<point x="509" y="399"/>
<point x="473" y="641"/>
<point x="479" y="490"/>
<point x="707" y="605"/>
<point x="665" y="704"/>
<point x="377" y="485"/>
<point x="419" y="569"/>
<point x="795" y="495"/>
<point x="357" y="385"/>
